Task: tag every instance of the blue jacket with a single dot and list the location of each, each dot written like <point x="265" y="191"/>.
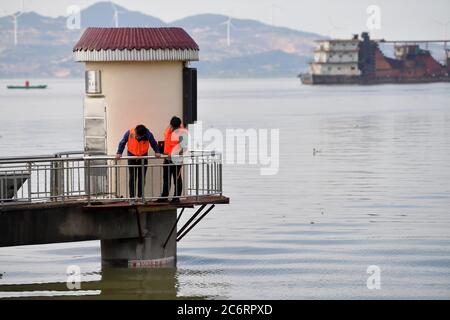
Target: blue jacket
<point x="148" y="136"/>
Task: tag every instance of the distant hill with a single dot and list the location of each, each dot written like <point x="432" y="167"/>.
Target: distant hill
<point x="256" y="49"/>
<point x="101" y="14"/>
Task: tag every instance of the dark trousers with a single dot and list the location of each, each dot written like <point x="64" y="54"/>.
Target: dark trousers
<point x="170" y="170"/>
<point x="136" y="173"/>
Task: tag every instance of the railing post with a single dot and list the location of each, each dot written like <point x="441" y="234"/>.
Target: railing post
<point x="142" y="180"/>
<point x="88" y="180"/>
<point x="191" y="175"/>
<point x="221" y="173"/>
<point x="29" y="181"/>
<point x="220" y="178"/>
<point x="56" y="179"/>
<point x="116" y="179"/>
<point x="197" y="178"/>
<point x="208" y="191"/>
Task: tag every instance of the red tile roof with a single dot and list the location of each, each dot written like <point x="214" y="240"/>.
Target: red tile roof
<point x="135" y="38"/>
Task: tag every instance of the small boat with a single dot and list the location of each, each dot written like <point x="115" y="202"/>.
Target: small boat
<point x="28" y="86"/>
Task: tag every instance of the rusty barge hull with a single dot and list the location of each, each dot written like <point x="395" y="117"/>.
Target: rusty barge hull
<point x="343" y="80"/>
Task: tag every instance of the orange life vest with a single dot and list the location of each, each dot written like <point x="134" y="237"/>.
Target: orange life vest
<point x="172" y="139"/>
<point x="135" y="147"/>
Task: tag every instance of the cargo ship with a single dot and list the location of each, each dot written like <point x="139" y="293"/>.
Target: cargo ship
<point x="359" y="60"/>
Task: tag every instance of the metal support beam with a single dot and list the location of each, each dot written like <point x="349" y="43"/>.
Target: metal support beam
<point x="411" y="41"/>
<point x="190" y="220"/>
<point x="195" y="223"/>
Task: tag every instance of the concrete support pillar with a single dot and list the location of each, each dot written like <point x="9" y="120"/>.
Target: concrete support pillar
<point x="146" y="251"/>
<point x="131" y="237"/>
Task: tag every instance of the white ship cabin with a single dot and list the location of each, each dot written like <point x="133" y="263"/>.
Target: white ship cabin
<point x="336" y="57"/>
<point x="338" y="45"/>
<point x="341" y="69"/>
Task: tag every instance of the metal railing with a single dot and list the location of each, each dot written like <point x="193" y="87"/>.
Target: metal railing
<point x="72" y="176"/>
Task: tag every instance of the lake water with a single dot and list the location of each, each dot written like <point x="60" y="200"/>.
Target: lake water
<point x="377" y="193"/>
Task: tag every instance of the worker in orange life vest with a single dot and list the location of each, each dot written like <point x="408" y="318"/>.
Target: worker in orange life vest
<point x="173" y="137"/>
<point x="139" y="140"/>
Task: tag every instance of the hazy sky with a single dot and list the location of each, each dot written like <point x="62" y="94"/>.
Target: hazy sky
<point x="400" y="19"/>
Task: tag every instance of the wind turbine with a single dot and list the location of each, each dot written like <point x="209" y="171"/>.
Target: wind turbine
<point x="15" y="17"/>
<point x="229" y="25"/>
<point x="272" y="10"/>
<point x="333" y="27"/>
<point x="444" y="25"/>
<point x="116" y="14"/>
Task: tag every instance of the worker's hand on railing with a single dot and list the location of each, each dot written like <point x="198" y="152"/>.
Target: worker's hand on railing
<point x="158" y="155"/>
<point x="118" y="156"/>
